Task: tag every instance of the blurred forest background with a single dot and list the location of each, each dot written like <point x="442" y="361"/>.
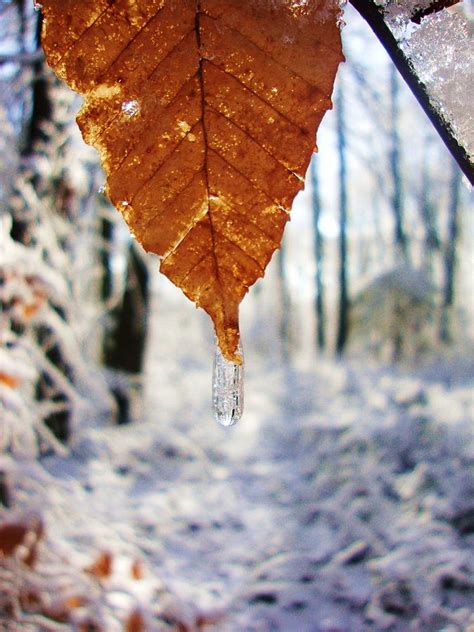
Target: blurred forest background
<point x="376" y="267"/>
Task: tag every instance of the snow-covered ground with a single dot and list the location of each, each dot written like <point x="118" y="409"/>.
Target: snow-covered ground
<point x="343" y="501"/>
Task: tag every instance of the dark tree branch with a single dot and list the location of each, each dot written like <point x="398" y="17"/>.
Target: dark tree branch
<point x="22" y="59"/>
<point x="374" y="17"/>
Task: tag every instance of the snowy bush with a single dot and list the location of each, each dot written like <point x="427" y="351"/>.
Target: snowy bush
<point x="394" y="316"/>
<point x="44" y="372"/>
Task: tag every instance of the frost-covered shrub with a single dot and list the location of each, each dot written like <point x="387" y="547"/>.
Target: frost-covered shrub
<point x="394" y="315"/>
<point x="51" y="383"/>
<point x="44" y="374"/>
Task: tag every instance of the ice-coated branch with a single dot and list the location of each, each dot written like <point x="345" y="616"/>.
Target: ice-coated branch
<point x="374" y="16"/>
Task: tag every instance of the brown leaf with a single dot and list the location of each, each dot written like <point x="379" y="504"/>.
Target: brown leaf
<point x="136" y="570"/>
<point x="135" y="622"/>
<point x="101" y="568"/>
<point x="23" y="532"/>
<point x="9" y="380"/>
<point x="30" y="600"/>
<point x="61" y="611"/>
<point x="204" y="113"/>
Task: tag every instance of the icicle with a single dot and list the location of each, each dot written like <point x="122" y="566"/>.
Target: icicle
<point x="228" y="388"/>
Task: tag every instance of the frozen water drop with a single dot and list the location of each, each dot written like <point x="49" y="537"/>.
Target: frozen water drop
<point x="37" y="6"/>
<point x="228" y="388"/>
<point x="131" y="108"/>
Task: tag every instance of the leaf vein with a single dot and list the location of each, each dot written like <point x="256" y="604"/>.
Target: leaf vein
<point x="258" y="96"/>
<point x="196" y="265"/>
<point x="109" y="123"/>
<point x="156" y="170"/>
<point x="88" y="28"/>
<point x="234" y="210"/>
<point x="128" y="44"/>
<point x="239" y="247"/>
<point x="257" y="188"/>
<point x="139" y="139"/>
<point x="267" y="54"/>
<point x="255" y="141"/>
<point x="173" y="200"/>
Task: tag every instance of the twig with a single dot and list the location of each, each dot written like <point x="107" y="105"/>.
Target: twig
<point x="22" y="59"/>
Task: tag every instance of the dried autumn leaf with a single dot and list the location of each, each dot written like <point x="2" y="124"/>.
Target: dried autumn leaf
<point x="204" y="113"/>
<point x="135" y="622"/>
<point x="101" y="568"/>
<point x="22" y="537"/>
<point x="137" y="571"/>
<point x="9" y="380"/>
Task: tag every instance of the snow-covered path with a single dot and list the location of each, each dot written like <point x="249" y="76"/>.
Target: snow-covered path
<point x="344" y="500"/>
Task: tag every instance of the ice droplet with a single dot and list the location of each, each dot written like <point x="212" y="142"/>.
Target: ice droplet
<point x="228" y="388"/>
<point x="37" y="6"/>
<point x="131" y="108"/>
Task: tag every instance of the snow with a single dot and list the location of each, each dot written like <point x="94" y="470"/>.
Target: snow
<point x="441" y="51"/>
<point x="342" y="500"/>
<point x="448" y="89"/>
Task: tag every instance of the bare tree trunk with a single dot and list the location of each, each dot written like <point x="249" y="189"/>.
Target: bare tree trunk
<point x="432" y="240"/>
<point x="29" y="117"/>
<point x="41" y="105"/>
<point x="318" y="256"/>
<point x="125" y="340"/>
<point x="343" y="322"/>
<point x="446" y="334"/>
<point x="400" y="237"/>
<point x="285" y="305"/>
<point x="125" y="345"/>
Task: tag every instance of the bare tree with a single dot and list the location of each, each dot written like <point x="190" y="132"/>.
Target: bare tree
<point x="285" y="304"/>
<point x="450" y="249"/>
<point x="125" y="335"/>
<point x="427" y="208"/>
<point x="400" y="236"/>
<point x="343" y="321"/>
<point x="318" y="256"/>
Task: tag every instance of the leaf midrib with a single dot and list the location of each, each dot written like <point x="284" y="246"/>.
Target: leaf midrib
<point x="200" y="74"/>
